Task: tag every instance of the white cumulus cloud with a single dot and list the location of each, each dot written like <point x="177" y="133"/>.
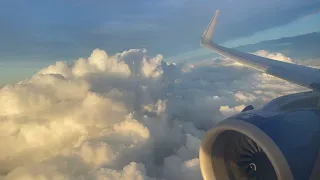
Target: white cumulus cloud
<point x="275" y="56"/>
<point x="122" y="116"/>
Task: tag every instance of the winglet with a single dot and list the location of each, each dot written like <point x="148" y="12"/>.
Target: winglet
<point x="208" y="33"/>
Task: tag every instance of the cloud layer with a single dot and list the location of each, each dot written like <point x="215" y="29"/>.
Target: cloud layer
<point x="125" y="116"/>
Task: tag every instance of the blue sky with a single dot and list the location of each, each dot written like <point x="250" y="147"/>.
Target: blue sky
<point x="40" y="32"/>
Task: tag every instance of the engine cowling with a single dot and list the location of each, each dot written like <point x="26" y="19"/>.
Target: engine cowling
<point x="248" y="146"/>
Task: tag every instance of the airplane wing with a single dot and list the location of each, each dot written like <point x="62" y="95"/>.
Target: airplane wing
<point x="305" y="76"/>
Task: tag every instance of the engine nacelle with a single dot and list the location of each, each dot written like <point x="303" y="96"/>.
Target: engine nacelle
<point x="284" y="146"/>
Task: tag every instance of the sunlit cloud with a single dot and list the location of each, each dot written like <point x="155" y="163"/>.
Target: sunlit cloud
<point x="122" y="116"/>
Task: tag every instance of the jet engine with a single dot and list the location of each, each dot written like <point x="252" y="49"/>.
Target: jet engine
<point x="254" y="145"/>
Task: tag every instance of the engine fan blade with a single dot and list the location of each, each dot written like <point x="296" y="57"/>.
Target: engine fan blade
<point x="246" y="160"/>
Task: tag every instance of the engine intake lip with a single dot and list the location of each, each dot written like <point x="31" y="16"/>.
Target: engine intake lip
<point x="208" y="162"/>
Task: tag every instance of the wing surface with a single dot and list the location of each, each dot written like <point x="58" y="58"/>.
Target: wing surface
<point x="304" y="76"/>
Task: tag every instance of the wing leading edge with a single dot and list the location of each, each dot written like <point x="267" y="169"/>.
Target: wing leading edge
<point x="304" y="76"/>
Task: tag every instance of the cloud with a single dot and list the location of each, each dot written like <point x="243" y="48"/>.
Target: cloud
<point x="244" y="97"/>
<point x="122" y="116"/>
<point x="275" y="56"/>
<point x="227" y="111"/>
<point x="133" y="171"/>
